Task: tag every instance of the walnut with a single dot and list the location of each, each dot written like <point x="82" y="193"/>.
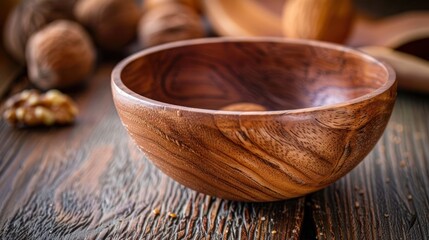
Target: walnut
<point x="113" y="23"/>
<point x="59" y="56"/>
<point x="29" y="17"/>
<point x="31" y="108"/>
<point x="169" y="22"/>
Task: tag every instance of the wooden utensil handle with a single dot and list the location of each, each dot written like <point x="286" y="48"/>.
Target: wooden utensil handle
<point x="390" y="32"/>
<point x="412" y="72"/>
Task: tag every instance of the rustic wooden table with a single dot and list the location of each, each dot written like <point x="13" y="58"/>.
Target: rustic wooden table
<point x="89" y="181"/>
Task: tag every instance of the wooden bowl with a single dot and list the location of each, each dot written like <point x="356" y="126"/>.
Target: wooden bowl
<point x="327" y="107"/>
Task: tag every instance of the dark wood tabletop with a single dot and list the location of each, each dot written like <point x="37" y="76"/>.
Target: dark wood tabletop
<point x="89" y="181"/>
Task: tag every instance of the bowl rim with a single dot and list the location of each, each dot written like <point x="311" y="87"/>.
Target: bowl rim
<point x="118" y="85"/>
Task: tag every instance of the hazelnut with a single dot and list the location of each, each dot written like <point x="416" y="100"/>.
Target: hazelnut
<point x="31" y="108"/>
<point x="59" y="56"/>
<point x="169" y="22"/>
<point x="112" y="23"/>
<point x="244" y="106"/>
<point x="28" y="18"/>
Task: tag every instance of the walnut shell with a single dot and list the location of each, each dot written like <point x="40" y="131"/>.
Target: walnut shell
<point x="29" y="17"/>
<point x="327" y="20"/>
<point x="168" y="23"/>
<point x="60" y="55"/>
<point x="113" y="23"/>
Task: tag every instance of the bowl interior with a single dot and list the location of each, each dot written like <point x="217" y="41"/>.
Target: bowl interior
<point x="278" y="75"/>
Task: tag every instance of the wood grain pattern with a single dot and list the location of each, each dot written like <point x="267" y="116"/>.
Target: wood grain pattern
<point x="387" y="195"/>
<point x="89" y="181"/>
<point x="31" y="159"/>
<point x="332" y="106"/>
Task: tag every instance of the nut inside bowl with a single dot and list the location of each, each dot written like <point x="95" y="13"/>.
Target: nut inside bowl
<point x="327" y="106"/>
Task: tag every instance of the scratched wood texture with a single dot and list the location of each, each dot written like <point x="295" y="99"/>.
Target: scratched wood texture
<point x="89" y="181"/>
<point x="387" y="195"/>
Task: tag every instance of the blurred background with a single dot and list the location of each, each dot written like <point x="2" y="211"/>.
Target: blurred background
<point x="382" y="8"/>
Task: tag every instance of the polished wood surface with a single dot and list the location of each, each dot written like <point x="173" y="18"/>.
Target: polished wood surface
<point x="40" y="197"/>
<point x="329" y="107"/>
<point x="405" y="32"/>
<point x="90" y="181"/>
<point x="387" y="196"/>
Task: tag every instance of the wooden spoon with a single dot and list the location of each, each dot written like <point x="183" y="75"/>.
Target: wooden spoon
<point x="263" y="18"/>
<point x="245" y="17"/>
<point x="392" y="32"/>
